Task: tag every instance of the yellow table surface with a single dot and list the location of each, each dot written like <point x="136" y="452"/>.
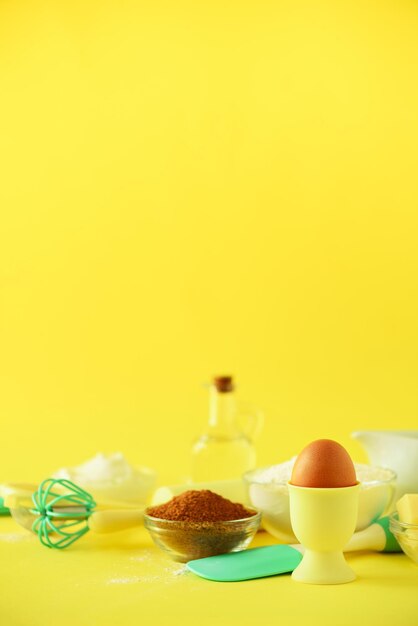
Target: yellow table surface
<point x="124" y="579"/>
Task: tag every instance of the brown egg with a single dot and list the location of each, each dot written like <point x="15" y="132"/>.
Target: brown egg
<point x="323" y="463"/>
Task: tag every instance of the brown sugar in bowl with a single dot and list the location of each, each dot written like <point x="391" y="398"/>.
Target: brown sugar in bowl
<point x="198" y="530"/>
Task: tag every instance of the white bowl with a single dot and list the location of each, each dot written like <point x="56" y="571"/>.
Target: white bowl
<point x="268" y="492"/>
<point x="109" y="478"/>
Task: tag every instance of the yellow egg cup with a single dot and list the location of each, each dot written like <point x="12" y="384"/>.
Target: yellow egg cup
<point x="323" y="520"/>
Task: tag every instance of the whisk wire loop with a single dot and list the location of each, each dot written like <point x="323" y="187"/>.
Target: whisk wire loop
<point x="61" y="517"/>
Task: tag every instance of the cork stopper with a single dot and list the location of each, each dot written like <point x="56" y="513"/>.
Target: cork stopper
<point x="223" y="384"/>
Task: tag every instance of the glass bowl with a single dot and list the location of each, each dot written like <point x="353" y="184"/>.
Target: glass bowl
<point x="185" y="541"/>
<point x="406" y="535"/>
<point x="271" y="496"/>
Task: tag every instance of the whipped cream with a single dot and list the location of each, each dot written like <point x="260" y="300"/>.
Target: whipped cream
<point x="109" y="477"/>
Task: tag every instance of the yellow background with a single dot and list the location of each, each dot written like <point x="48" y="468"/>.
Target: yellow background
<point x="190" y="188"/>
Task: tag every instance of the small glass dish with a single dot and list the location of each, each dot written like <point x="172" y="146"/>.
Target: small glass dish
<point x="186" y="541"/>
<point x="406" y="535"/>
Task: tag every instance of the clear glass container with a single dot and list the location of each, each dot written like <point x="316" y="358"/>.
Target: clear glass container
<point x="406" y="535"/>
<point x="224" y="451"/>
<point x="186" y="541"/>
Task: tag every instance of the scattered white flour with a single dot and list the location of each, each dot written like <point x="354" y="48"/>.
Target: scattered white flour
<point x="177" y="572"/>
<point x="14" y="537"/>
<point x="125" y="580"/>
<point x="166" y="575"/>
<point x="144" y="556"/>
<point x="148" y="578"/>
<point x="281" y="473"/>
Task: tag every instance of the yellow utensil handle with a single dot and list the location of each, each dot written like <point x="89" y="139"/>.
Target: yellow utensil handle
<point x="114" y="520"/>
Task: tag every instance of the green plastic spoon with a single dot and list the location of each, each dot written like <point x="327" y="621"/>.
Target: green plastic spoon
<point x="283" y="559"/>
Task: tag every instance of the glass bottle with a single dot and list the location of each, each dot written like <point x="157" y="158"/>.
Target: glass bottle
<point x="223" y="451"/>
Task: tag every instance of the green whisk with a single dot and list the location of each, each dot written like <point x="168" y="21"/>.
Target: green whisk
<point x="61" y="517"/>
<point x="60" y="513"/>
